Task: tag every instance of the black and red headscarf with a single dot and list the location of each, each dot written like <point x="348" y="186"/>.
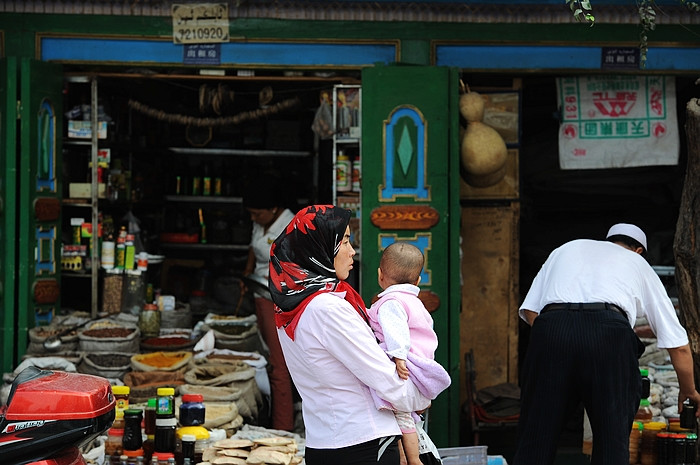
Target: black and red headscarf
<point x="301" y="263"/>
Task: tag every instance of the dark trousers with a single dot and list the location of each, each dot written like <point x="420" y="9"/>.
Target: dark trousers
<point x="574" y="356"/>
<point x="382" y="451"/>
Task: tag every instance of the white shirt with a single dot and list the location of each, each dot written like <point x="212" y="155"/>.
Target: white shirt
<point x="261" y="241"/>
<point x="590" y="271"/>
<point x="334" y="359"/>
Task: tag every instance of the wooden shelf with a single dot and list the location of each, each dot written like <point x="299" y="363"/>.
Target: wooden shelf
<point x="190" y="246"/>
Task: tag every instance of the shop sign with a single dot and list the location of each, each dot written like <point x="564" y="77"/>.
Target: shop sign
<point x="617" y="121"/>
<point x="202" y="54"/>
<point x="619" y="58"/>
<point x="200" y="23"/>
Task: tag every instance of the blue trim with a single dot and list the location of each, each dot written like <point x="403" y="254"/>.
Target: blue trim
<point x="419" y="192"/>
<point x="555" y="57"/>
<point x="87" y="49"/>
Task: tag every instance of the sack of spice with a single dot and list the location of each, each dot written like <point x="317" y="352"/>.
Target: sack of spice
<point x="110" y="336"/>
<point x="160" y="361"/>
<point x="106" y="364"/>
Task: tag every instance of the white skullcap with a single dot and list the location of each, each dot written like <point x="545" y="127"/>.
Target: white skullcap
<point x="629" y="230"/>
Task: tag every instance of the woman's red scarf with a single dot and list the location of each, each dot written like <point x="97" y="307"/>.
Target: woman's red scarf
<point x="301" y="264"/>
<point x="289" y="320"/>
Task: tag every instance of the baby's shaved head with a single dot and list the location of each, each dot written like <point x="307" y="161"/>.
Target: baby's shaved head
<point x="402" y="263"/>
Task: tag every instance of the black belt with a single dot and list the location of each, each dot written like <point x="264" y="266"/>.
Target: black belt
<point x="583" y="306"/>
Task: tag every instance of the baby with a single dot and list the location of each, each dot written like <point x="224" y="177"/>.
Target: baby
<point x="404" y="329"/>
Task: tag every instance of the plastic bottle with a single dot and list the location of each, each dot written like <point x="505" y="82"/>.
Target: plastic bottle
<point x="646" y="383"/>
<point x="120" y="255"/>
<point x="356" y="173"/>
<point x="166" y="423"/>
<point x="107" y="255"/>
<point x="192" y="410"/>
<point x="644" y="413"/>
<point x="648" y="450"/>
<point x="635" y="441"/>
<point x="188" y="442"/>
<point x="202" y="439"/>
<point x="121" y="395"/>
<point x="132" y="429"/>
<point x="130" y="252"/>
<point x="343" y="173"/>
<point x="113" y="444"/>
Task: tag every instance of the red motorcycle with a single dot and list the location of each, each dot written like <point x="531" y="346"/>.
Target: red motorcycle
<point x="49" y="415"/>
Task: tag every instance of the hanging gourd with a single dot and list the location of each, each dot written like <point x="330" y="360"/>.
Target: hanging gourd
<point x="483" y="150"/>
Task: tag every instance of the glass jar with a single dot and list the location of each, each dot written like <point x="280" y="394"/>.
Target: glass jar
<point x="192" y="410"/>
<point x="149" y="321"/>
<point x="114" y="443"/>
<point x="164" y="440"/>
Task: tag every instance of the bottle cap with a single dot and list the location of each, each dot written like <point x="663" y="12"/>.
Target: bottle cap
<point x="192" y="398"/>
<point x="188" y="438"/>
<point x="120" y="390"/>
<point x="152" y="402"/>
<point x="199" y="432"/>
<point x="644" y="403"/>
<point x="165" y="391"/>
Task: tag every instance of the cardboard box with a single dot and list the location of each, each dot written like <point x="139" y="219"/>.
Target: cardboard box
<point x="81" y="190"/>
<point x="79" y="129"/>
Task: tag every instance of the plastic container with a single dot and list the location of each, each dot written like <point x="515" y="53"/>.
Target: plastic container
<point x="202" y="439"/>
<point x="192" y="410"/>
<point x="149" y="417"/>
<point x="149" y="321"/>
<point x="166" y="423"/>
<point x="644" y="413"/>
<point x="343" y="173"/>
<point x="121" y="395"/>
<point x="132" y="429"/>
<point x="114" y="443"/>
<point x="473" y="455"/>
<point x="635" y="441"/>
<point x="648" y="450"/>
<point x="687" y="420"/>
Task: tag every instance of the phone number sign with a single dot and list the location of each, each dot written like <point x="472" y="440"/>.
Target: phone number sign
<point x="200" y="23"/>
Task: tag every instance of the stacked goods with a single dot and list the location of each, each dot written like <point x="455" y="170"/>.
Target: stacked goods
<point x="270" y="450"/>
<point x="483" y="151"/>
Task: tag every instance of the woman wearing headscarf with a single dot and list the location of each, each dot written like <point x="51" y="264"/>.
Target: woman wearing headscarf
<point x="332" y="354"/>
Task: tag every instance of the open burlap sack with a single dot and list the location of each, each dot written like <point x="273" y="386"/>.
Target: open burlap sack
<point x="230" y="382"/>
<point x="144" y="384"/>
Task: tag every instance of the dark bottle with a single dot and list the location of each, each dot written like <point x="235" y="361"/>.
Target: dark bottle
<point x="132" y="429"/>
<point x="646" y="384"/>
<point x="688" y="415"/>
<point x="166" y="423"/>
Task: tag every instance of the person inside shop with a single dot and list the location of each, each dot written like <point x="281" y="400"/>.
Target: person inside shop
<point x="330" y="349"/>
<point x="404" y="329"/>
<point x="582" y="306"/>
<point x="263" y="202"/>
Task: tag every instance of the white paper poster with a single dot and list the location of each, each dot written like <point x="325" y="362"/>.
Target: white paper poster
<point x="617" y="121"/>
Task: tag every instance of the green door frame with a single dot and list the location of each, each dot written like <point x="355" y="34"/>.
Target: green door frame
<point x="410" y="192"/>
<point x="8" y="211"/>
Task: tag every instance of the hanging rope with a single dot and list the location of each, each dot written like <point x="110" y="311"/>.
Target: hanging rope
<point x="220" y="121"/>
